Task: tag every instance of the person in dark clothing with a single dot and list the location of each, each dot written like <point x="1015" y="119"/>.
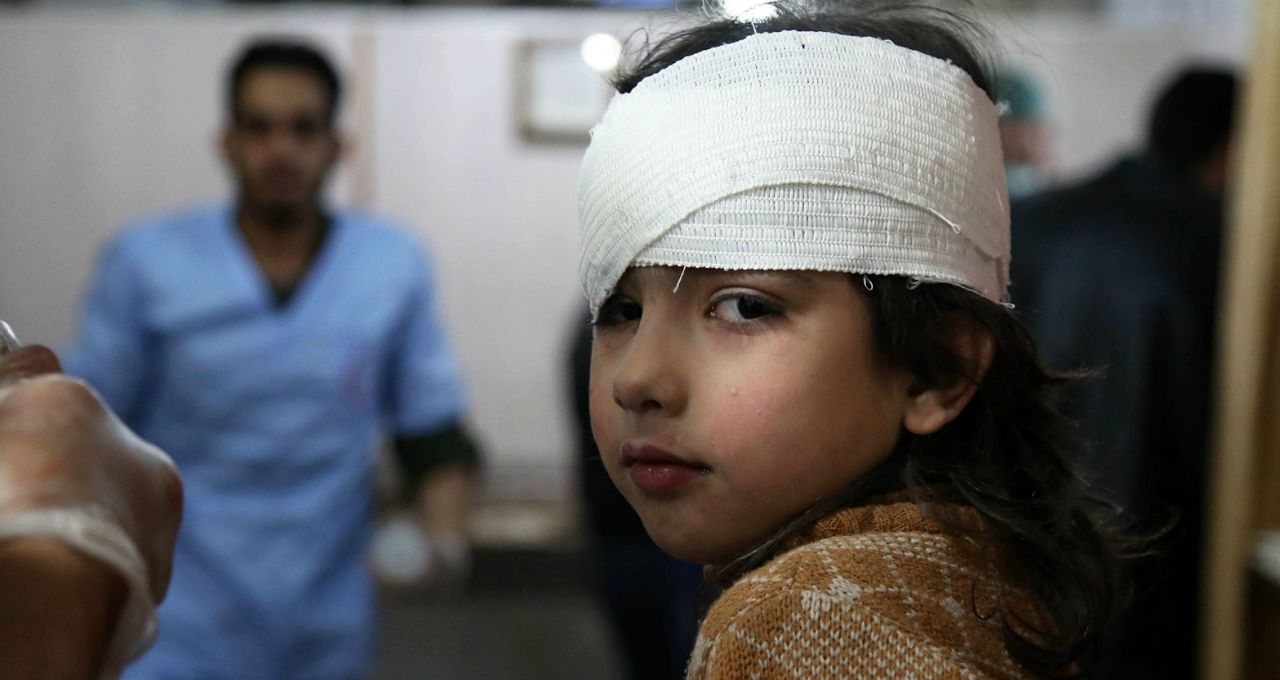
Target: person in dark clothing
<point x="1119" y="274"/>
<point x="650" y="596"/>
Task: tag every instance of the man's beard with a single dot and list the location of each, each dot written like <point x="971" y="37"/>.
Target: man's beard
<point x="282" y="215"/>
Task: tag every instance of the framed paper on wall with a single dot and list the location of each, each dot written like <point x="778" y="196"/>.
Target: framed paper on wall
<point x="559" y="98"/>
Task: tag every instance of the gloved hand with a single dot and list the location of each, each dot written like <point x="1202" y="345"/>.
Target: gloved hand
<point x="72" y="472"/>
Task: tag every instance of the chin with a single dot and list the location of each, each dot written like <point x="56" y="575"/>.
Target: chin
<point x="690" y="547"/>
<point x="282" y="212"/>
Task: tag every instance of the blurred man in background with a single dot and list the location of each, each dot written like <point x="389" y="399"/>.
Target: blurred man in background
<point x="266" y="344"/>
<point x="1024" y="133"/>
<point x="1120" y="273"/>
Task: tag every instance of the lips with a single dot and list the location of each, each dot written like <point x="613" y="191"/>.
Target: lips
<point x="284" y="181"/>
<point x="657" y="471"/>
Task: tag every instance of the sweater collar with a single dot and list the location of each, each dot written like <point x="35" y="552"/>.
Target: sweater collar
<point x="891" y="513"/>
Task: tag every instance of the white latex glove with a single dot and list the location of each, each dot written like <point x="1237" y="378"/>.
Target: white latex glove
<point x="72" y="472"/>
<point x="406" y="557"/>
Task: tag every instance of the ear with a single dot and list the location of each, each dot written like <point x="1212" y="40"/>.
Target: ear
<point x="929" y="407"/>
<point x="344" y="147"/>
<point x="224" y="143"/>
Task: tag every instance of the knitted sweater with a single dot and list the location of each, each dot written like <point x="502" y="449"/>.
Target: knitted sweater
<point x="871" y="592"/>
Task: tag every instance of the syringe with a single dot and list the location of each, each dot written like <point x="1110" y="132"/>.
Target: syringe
<point x="8" y="341"/>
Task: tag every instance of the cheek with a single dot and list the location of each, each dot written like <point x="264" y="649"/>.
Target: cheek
<point x="802" y="419"/>
<point x="745" y="414"/>
<point x="248" y="160"/>
<point x="749" y="419"/>
<point x="319" y="157"/>
<point x="602" y="410"/>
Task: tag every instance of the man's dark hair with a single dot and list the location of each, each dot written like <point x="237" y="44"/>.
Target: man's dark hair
<point x="283" y="54"/>
<point x="1193" y="115"/>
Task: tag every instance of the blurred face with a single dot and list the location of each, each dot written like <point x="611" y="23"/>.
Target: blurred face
<point x="1025" y="141"/>
<point x="728" y="407"/>
<point x="281" y="144"/>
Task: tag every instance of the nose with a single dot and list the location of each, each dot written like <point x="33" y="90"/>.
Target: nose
<point x="283" y="142"/>
<point x="650" y="376"/>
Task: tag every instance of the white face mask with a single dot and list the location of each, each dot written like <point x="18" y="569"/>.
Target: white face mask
<point x="1023" y="179"/>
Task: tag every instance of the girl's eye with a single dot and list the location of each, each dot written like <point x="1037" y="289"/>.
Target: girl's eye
<point x="741" y="307"/>
<point x="617" y="310"/>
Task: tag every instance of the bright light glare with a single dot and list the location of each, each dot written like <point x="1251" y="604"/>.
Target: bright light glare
<point x="601" y="51"/>
<point x="749" y="10"/>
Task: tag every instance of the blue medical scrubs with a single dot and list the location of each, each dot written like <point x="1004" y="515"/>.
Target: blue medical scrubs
<point x="271" y="413"/>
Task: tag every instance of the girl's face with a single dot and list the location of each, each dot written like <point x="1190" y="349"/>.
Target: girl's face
<point x="724" y="409"/>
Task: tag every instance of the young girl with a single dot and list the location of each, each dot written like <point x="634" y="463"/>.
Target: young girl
<point x="805" y="375"/>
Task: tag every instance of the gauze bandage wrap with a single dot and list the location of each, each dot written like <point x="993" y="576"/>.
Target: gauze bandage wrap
<point x="802" y="151"/>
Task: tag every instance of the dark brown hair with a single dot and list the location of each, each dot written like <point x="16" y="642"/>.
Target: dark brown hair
<point x="267" y="54"/>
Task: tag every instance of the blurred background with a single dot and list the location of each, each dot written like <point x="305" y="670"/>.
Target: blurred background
<point x="468" y="121"/>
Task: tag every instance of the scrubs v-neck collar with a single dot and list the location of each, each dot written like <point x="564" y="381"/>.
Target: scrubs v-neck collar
<point x="259" y="288"/>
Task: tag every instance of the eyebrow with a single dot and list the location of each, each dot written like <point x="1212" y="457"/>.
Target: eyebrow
<point x="668" y="275"/>
<point x="792" y="276"/>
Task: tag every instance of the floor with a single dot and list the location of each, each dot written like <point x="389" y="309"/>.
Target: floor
<point x="526" y="614"/>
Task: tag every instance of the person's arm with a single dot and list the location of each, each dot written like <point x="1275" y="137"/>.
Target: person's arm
<point x="60" y="609"/>
<point x="438" y="456"/>
<point x="88" y="519"/>
<point x="440" y="470"/>
<point x="112" y="348"/>
<point x="444" y="501"/>
<point x="60" y="606"/>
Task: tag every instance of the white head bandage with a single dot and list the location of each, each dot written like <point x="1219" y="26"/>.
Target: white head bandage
<point x="799" y="150"/>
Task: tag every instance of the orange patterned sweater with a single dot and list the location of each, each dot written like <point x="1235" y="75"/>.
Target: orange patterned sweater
<point x="876" y="592"/>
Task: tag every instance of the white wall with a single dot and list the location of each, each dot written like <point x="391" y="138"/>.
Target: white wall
<point x="1100" y="75"/>
<point x="500" y="215"/>
<point x="103" y="117"/>
<point x="106" y="117"/>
